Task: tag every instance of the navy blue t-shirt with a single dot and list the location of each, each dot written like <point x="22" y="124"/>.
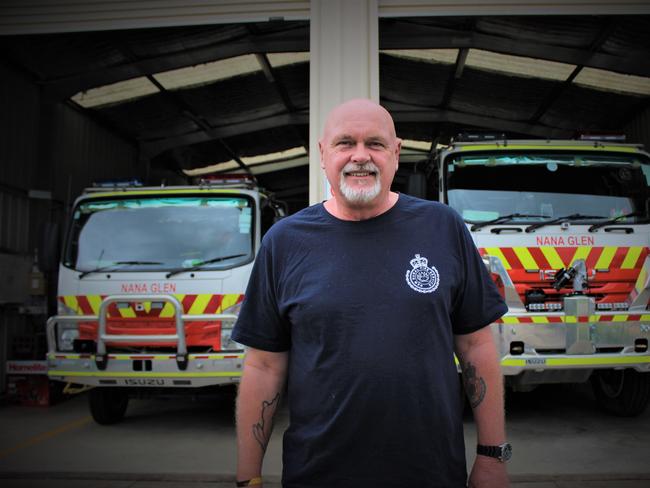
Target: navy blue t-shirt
<point x="368" y="311"/>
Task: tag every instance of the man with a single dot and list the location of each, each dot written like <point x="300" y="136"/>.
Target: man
<point x="357" y="305"/>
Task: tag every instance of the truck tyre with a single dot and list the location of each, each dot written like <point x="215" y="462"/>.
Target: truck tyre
<point x="108" y="405"/>
<point x="624" y="393"/>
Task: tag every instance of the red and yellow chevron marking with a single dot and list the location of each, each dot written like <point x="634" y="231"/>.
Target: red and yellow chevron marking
<point x="569" y="319"/>
<point x="549" y="257"/>
<point x="192" y="305"/>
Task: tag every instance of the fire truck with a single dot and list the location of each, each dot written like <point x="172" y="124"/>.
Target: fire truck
<point x="150" y="284"/>
<point x="563" y="227"/>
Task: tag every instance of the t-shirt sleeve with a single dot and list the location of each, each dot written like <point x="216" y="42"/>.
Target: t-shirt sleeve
<point x="260" y="324"/>
<point x="478" y="302"/>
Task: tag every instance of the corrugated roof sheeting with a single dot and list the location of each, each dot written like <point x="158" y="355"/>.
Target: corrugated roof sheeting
<point x="248" y="97"/>
<point x="614" y="82"/>
<point x="423" y="131"/>
<point x="573" y="31"/>
<point x="294" y="79"/>
<point x="148" y="117"/>
<point x="517" y="99"/>
<point x="247" y="85"/>
<point x="270" y="140"/>
<point x="408" y="81"/>
<point x="591" y="109"/>
<point x="631" y="34"/>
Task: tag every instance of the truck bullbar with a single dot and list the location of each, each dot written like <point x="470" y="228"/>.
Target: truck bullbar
<point x="145" y="369"/>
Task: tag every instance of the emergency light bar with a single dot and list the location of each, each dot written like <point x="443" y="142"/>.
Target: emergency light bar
<point x="117" y="183"/>
<point x="602" y="137"/>
<point x="480" y="136"/>
<point x="227" y="179"/>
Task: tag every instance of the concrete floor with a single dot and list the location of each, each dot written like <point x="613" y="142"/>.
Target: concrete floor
<point x="560" y="439"/>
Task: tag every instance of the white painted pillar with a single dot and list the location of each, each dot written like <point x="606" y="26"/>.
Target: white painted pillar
<point x="344" y="64"/>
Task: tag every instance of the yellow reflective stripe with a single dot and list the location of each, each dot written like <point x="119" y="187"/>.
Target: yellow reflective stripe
<point x="94" y="301"/>
<point x="594" y="318"/>
<point x="581" y="253"/>
<point x="599" y="360"/>
<point x="214" y="374"/>
<point x="127" y="312"/>
<point x="71" y="302"/>
<point x="645" y="318"/>
<point x="228" y="301"/>
<point x="515" y="147"/>
<point x="606" y="257"/>
<point x="640" y="282"/>
<point x="573" y="361"/>
<point x="509" y="320"/>
<point x="167" y="310"/>
<point x="619" y="318"/>
<point x="632" y="256"/>
<point x="540" y="320"/>
<point x="198" y="307"/>
<point x="525" y="257"/>
<point x="496" y="252"/>
<point x="553" y="258"/>
<point x="513" y="362"/>
<point x="571" y="319"/>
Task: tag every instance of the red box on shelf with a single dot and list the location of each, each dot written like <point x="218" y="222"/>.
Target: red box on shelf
<point x="28" y="384"/>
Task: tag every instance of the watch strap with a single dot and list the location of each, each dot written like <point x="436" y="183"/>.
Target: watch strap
<point x="502" y="452"/>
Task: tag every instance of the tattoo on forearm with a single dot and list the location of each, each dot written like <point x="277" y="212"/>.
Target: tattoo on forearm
<point x="475" y="386"/>
<point x="261" y="432"/>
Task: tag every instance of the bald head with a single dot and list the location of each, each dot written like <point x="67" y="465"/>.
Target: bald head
<point x="360" y="154"/>
<point x="360" y="109"/>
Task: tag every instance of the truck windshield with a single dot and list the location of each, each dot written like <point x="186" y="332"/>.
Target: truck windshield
<point x="544" y="186"/>
<point x="153" y="233"/>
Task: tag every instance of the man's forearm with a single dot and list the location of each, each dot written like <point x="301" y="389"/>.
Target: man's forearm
<point x="260" y="392"/>
<point x="483" y="382"/>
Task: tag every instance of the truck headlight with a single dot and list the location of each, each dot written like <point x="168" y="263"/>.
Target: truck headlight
<point x="227" y="344"/>
<point x="67" y="333"/>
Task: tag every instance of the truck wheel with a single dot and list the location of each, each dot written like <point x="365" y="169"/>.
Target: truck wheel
<point x="107" y="405"/>
<point x="621" y="392"/>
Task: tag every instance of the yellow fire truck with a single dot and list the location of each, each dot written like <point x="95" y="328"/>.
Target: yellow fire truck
<point x="564" y="229"/>
<point x="150" y="284"/>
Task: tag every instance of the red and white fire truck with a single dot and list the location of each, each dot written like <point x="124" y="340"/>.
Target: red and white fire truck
<point x="150" y="284"/>
<point x="564" y="228"/>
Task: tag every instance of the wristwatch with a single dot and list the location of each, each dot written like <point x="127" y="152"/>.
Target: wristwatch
<point x="501" y="452"/>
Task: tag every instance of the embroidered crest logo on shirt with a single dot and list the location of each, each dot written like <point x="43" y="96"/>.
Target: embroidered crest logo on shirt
<point x="422" y="278"/>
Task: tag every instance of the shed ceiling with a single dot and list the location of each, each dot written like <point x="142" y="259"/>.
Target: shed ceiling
<point x="234" y="96"/>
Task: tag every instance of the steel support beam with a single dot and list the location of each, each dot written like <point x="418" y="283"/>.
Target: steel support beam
<point x="344" y="64"/>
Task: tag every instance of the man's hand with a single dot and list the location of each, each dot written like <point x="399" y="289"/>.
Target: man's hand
<point x="488" y="472"/>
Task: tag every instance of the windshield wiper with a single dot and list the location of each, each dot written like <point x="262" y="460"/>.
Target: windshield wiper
<point x="200" y="264"/>
<point x="559" y="220"/>
<point x="613" y="221"/>
<point x="502" y="220"/>
<point x="119" y="264"/>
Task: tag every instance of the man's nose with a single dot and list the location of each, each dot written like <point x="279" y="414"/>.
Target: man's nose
<point x="360" y="153"/>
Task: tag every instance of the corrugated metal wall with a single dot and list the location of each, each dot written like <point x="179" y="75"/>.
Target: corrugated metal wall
<point x="84" y="152"/>
<point x="46" y="147"/>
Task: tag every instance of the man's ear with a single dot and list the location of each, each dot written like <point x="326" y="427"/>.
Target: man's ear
<point x="320" y="149"/>
<point x="398" y="148"/>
